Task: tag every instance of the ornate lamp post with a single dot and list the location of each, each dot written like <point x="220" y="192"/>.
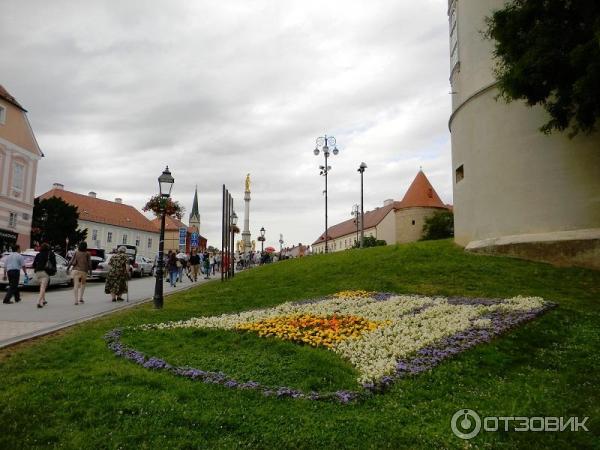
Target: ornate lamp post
<point x="361" y="169"/>
<point x="165" y="184"/>
<point x="234" y="219"/>
<point x="323" y="143"/>
<point x="355" y="214"/>
<point x="261" y="238"/>
<point x="280" y="245"/>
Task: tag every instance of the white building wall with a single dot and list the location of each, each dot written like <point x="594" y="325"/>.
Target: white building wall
<point x="102" y="233"/>
<point x="517" y="180"/>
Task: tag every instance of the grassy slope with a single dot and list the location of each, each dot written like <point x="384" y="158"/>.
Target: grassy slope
<point x="69" y="390"/>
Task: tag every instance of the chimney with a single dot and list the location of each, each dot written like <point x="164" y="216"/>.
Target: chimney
<point x="118" y="200"/>
<point x="92" y="194"/>
<point x="388" y="201"/>
<point x="58" y="186"/>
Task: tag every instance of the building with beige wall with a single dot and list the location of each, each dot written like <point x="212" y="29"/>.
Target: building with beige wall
<point x="395" y="222"/>
<point x="517" y="191"/>
<point x="19" y="156"/>
<point x="110" y="223"/>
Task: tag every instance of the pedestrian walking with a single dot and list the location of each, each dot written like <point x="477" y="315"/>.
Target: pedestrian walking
<point x="44" y="266"/>
<point x="172" y="268"/>
<point x="213" y="263"/>
<point x="194" y="264"/>
<point x="206" y="266"/>
<point x="12" y="266"/>
<point x="81" y="262"/>
<point x="118" y="273"/>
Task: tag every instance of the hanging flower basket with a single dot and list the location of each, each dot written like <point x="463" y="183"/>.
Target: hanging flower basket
<point x="158" y="204"/>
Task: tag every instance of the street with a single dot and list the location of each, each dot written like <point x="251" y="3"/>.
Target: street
<point x="23" y="320"/>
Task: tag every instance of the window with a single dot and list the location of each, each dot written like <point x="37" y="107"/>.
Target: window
<point x="460" y="173"/>
<point x="94" y="235"/>
<point x="137" y="242"/>
<point x="453" y="18"/>
<point x="18" y="177"/>
<point x="149" y="242"/>
<point x="109" y="236"/>
<point x="413" y="222"/>
<point x="430" y="193"/>
<point x="124" y="239"/>
<point x="2" y="115"/>
<point x="12" y="220"/>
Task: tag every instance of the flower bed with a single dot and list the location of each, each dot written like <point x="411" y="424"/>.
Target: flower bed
<point x="384" y="336"/>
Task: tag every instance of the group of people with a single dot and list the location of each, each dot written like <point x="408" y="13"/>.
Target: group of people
<point x="178" y="264"/>
<point x="80" y="265"/>
<point x="44" y="266"/>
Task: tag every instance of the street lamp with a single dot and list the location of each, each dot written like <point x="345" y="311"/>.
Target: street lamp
<point x="355" y="213"/>
<point x="165" y="184"/>
<point x="234" y="219"/>
<point x="361" y="169"/>
<point x="261" y="238"/>
<point x="323" y="143"/>
<point x="280" y="245"/>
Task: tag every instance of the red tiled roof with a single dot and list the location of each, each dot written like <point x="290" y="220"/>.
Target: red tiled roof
<point x="420" y="194"/>
<point x="171" y="223"/>
<point x="372" y="218"/>
<point x="103" y="211"/>
<point x="9" y="98"/>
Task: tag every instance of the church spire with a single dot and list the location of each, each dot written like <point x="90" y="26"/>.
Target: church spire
<point x="195" y="214"/>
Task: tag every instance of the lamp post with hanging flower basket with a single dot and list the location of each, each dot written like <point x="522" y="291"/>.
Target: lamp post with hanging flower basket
<point x="161" y="205"/>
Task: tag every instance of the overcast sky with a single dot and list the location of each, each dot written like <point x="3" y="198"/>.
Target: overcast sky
<point x="116" y="90"/>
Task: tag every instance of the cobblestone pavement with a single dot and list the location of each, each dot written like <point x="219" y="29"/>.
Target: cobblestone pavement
<point x="23" y="320"/>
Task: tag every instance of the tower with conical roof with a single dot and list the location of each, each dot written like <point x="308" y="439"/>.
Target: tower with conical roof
<point x="195" y="215"/>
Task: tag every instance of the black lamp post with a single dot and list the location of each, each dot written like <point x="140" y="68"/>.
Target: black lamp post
<point x="280" y="245"/>
<point x="355" y="213"/>
<point x="234" y="219"/>
<point x="361" y="169"/>
<point x="323" y="145"/>
<point x="261" y="238"/>
<point x="165" y="184"/>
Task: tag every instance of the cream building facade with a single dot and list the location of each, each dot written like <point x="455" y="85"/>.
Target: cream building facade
<point x="19" y="156"/>
<point x="516" y="191"/>
<point x="396" y="222"/>
<point x="110" y="223"/>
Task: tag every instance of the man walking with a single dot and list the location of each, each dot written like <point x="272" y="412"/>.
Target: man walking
<point x="12" y="266"/>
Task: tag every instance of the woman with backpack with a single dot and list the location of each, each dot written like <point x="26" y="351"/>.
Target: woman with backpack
<point x="44" y="266"/>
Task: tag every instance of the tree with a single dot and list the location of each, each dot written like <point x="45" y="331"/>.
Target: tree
<point x="438" y="226"/>
<point x="157" y="204"/>
<point x="53" y="221"/>
<point x="370" y="241"/>
<point x="548" y="54"/>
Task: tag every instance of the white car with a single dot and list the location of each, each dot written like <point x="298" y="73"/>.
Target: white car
<point x="60" y="277"/>
<point x="142" y="266"/>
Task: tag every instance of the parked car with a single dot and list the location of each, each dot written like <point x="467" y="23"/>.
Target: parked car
<point x="102" y="268"/>
<point x="61" y="276"/>
<point x="142" y="266"/>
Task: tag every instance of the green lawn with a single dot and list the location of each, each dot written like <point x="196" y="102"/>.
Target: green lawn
<point x="70" y="391"/>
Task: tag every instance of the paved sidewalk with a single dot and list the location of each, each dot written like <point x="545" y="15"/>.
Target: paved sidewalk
<point x="24" y="320"/>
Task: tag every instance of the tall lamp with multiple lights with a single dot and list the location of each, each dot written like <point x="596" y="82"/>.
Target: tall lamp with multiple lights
<point x="323" y="144"/>
<point x="165" y="184"/>
<point x="361" y="169"/>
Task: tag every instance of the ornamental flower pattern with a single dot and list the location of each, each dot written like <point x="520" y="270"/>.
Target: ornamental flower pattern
<point x="383" y="335"/>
